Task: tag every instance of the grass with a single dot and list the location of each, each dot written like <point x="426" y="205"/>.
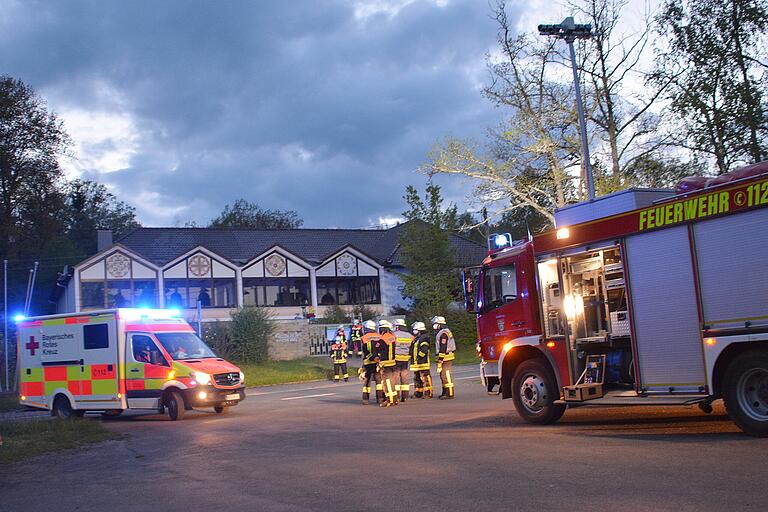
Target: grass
<point x="9" y="402"/>
<point x="319" y="368"/>
<point x="22" y="439"/>
<point x="298" y="370"/>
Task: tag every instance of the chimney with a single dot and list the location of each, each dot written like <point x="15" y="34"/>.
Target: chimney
<point x="103" y="239"/>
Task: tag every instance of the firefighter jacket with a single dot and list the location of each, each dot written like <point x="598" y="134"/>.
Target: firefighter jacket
<point x="420" y="352"/>
<point x="371" y="342"/>
<point x="445" y="345"/>
<point x="356" y="334"/>
<point x="403" y="342"/>
<point x="338" y="354"/>
<point x="386" y="350"/>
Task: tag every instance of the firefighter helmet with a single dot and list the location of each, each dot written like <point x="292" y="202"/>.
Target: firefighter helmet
<point x="385" y="324"/>
<point x="438" y="320"/>
<point x="400" y="323"/>
<point x="418" y="326"/>
<point x="370" y="325"/>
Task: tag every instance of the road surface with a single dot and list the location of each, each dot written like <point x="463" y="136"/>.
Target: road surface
<point x="315" y="447"/>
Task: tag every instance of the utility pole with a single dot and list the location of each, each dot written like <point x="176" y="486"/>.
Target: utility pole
<point x="569" y="32"/>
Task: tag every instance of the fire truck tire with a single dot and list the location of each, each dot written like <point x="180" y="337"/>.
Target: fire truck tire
<point x="220" y="409"/>
<point x="174" y="402"/>
<point x="534" y="391"/>
<point x="63" y="409"/>
<point x="745" y="392"/>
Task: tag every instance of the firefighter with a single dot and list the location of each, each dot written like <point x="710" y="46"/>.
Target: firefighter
<point x="385" y="356"/>
<point x="341" y="337"/>
<point x="422" y="378"/>
<point x="339" y="357"/>
<point x="356" y="337"/>
<point x="371" y="342"/>
<point x="445" y="347"/>
<point x="403" y="342"/>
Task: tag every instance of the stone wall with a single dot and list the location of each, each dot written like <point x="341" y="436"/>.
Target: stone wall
<point x="294" y="339"/>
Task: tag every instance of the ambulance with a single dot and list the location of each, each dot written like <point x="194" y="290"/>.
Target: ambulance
<point x="120" y="359"/>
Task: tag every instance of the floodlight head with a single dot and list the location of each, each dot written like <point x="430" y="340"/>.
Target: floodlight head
<point x="567" y="30"/>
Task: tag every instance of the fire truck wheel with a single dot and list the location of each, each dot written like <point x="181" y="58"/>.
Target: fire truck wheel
<point x="220" y="409"/>
<point x="63" y="409"/>
<point x="745" y="392"/>
<point x="175" y="405"/>
<point x="534" y="390"/>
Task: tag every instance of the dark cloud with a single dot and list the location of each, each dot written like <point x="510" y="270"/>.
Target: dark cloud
<point x="294" y="105"/>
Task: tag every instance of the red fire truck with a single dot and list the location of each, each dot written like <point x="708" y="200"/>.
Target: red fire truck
<point x="641" y="297"/>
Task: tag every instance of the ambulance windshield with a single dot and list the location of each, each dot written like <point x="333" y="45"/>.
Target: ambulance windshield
<point x="184" y="345"/>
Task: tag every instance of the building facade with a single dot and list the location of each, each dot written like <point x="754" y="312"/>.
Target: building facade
<point x="293" y="272"/>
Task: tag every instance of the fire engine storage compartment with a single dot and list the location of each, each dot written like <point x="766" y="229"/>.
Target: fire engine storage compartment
<point x="584" y="289"/>
<point x="584" y="295"/>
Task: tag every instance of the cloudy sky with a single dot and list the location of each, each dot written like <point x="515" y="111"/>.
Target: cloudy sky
<point x="325" y="107"/>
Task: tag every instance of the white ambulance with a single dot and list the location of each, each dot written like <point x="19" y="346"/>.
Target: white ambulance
<point x="113" y="360"/>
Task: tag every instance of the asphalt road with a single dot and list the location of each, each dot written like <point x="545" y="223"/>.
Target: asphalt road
<point x="315" y="447"/>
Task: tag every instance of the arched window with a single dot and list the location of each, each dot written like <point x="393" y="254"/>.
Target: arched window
<point x="347" y="280"/>
<point x="276" y="280"/>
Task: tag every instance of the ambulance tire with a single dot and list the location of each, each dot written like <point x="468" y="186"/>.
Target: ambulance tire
<point x="63" y="409"/>
<point x="534" y="391"/>
<point x="174" y="402"/>
<point x="745" y="392"/>
<point x="221" y="409"/>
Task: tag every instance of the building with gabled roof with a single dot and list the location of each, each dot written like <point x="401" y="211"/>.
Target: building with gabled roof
<point x="292" y="271"/>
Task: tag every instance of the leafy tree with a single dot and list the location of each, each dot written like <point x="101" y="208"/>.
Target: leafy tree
<point x="90" y="206"/>
<point x="244" y="214"/>
<point x="426" y="252"/>
<point x="711" y="55"/>
<point x="31" y="141"/>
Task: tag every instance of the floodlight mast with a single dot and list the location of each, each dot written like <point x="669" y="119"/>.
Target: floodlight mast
<point x="569" y="32"/>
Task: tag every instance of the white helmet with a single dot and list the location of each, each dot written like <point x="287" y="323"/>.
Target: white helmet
<point x="385" y="324"/>
<point x="438" y="320"/>
<point x="418" y="326"/>
<point x="340" y="327"/>
<point x="370" y="325"/>
<point x="400" y="323"/>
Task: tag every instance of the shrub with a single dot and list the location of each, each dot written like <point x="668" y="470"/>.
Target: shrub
<point x="334" y="315"/>
<point x="218" y="335"/>
<point x="363" y="312"/>
<point x="250" y="331"/>
<point x="463" y="326"/>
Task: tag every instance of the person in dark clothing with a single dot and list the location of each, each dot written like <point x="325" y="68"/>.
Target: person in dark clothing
<point x="371" y="341"/>
<point x="422" y="378"/>
<point x="445" y="347"/>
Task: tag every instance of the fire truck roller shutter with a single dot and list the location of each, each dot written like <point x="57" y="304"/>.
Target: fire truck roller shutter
<point x="732" y="252"/>
<point x="664" y="310"/>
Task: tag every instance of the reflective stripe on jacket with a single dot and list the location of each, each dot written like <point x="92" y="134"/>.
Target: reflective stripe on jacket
<point x="420" y="353"/>
<point x="445" y="345"/>
<point x="403" y="342"/>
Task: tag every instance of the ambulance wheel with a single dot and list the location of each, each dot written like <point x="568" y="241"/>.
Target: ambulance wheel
<point x="63" y="409"/>
<point x="534" y="391"/>
<point x="175" y="405"/>
<point x="745" y="392"/>
<point x="220" y="409"/>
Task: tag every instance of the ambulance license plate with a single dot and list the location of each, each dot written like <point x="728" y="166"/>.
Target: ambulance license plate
<point x="235" y="396"/>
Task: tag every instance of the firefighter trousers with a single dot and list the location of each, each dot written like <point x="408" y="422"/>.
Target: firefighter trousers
<point x="371" y="375"/>
<point x="390" y="380"/>
<point x="446" y="379"/>
<point x="356" y="347"/>
<point x="340" y="372"/>
<point x="422" y="381"/>
<point x="404" y="386"/>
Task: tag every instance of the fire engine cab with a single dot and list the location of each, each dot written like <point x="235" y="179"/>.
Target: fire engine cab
<point x="119" y="359"/>
<point x="641" y="297"/>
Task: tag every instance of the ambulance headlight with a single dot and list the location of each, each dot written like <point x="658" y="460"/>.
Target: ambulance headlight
<point x="242" y="377"/>
<point x="202" y="378"/>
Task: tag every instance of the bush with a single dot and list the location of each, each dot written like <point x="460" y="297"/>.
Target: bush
<point x="218" y="335"/>
<point x="250" y="331"/>
<point x="463" y="326"/>
<point x="363" y="312"/>
<point x="334" y="315"/>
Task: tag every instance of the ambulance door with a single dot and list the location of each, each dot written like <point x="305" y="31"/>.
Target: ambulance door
<point x="146" y="371"/>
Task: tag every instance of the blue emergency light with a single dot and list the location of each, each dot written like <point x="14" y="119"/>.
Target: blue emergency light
<point x="499" y="241"/>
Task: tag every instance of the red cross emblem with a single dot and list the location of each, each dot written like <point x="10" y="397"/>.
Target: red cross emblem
<point x="32" y="345"/>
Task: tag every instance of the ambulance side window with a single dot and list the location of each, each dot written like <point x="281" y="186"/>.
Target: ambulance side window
<point x="95" y="336"/>
<point x="145" y="351"/>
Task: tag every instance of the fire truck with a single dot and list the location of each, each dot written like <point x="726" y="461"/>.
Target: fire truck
<point x="113" y="360"/>
<point x="640" y="297"/>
